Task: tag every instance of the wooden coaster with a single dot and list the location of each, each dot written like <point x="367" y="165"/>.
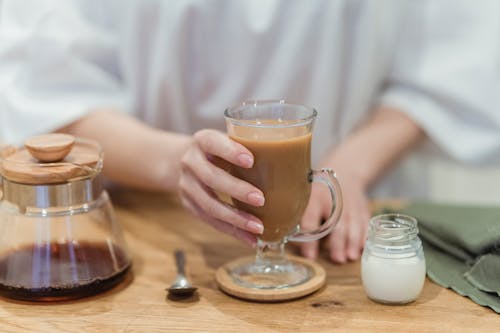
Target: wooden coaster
<point x="227" y="284"/>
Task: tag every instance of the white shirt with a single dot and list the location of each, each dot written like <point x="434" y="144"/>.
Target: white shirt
<point x="178" y="64"/>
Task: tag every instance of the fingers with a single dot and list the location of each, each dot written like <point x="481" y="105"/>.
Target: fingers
<point x="347" y="240"/>
<point x="311" y="221"/>
<point x="216" y="143"/>
<point x="217" y="179"/>
<point x="356" y="232"/>
<point x="364" y="229"/>
<point x="353" y="237"/>
<point x="337" y="243"/>
<point x="204" y="171"/>
<point x="214" y="208"/>
<point x="222" y="226"/>
<point x="315" y="211"/>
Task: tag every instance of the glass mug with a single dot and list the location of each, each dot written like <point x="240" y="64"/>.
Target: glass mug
<point x="279" y="136"/>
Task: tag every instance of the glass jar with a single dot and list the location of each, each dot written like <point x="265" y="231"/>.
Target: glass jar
<point x="393" y="262"/>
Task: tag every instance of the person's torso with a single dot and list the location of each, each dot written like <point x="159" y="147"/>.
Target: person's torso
<point x="184" y="62"/>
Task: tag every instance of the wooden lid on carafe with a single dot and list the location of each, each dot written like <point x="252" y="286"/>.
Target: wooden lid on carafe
<point x="51" y="159"/>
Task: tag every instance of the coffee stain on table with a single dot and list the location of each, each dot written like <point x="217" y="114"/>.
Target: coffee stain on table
<point x="327" y="304"/>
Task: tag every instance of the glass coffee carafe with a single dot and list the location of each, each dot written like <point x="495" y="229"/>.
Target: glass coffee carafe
<point x="58" y="235"/>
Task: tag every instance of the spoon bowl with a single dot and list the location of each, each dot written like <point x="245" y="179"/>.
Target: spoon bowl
<point x="181" y="285"/>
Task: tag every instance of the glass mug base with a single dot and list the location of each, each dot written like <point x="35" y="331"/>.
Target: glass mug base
<point x="255" y="275"/>
<point x="270" y="269"/>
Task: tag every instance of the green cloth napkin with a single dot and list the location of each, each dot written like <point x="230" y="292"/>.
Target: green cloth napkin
<point x="462" y="248"/>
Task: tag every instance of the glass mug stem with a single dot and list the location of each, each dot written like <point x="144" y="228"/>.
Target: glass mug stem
<point x="270" y="253"/>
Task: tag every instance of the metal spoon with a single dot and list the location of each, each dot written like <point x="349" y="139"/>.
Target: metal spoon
<point x="181" y="286"/>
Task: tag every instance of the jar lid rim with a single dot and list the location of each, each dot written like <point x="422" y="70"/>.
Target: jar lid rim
<point x="393" y="228"/>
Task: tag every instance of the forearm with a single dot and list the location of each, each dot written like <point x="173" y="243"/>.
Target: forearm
<point x="377" y="145"/>
<point x="135" y="154"/>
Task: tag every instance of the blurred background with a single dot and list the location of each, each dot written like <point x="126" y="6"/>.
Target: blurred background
<point x="452" y="182"/>
<point x="449" y="181"/>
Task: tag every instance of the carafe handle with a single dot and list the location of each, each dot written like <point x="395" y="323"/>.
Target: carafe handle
<point x="327" y="177"/>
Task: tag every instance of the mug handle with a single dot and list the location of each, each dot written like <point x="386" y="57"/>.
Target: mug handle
<point x="327" y="177"/>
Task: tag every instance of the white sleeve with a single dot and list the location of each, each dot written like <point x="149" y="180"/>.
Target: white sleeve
<point x="56" y="65"/>
<point x="446" y="75"/>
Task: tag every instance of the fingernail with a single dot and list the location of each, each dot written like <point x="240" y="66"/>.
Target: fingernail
<point x="245" y="160"/>
<point x="255" y="227"/>
<point x="256" y="199"/>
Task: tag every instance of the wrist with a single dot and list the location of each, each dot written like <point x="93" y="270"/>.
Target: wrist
<point x="349" y="169"/>
<point x="376" y="146"/>
<point x="171" y="148"/>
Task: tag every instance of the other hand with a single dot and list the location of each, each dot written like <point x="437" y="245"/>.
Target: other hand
<point x="347" y="239"/>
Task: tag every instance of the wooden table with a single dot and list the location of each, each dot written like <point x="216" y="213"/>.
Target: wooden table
<point x="156" y="225"/>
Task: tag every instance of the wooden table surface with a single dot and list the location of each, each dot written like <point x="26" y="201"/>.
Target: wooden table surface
<point x="156" y="225"/>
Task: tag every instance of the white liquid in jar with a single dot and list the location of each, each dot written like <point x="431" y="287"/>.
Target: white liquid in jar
<point x="393" y="280"/>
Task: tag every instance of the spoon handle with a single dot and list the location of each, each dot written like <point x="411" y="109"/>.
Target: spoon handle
<point x="180" y="261"/>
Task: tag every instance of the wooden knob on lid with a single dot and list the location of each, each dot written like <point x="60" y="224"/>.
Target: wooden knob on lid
<point x="50" y="147"/>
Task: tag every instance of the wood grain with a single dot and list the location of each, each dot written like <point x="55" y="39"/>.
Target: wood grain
<point x="19" y="166"/>
<point x="155" y="226"/>
<point x="51" y="147"/>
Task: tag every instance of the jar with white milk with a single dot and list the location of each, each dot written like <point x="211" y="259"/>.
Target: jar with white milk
<point x="393" y="263"/>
